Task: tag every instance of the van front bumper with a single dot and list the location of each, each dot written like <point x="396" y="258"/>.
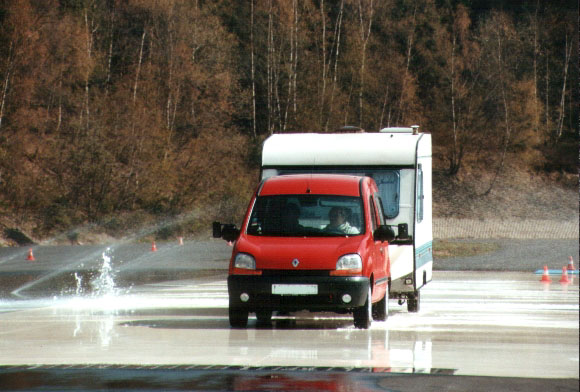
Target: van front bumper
<point x="253" y="293"/>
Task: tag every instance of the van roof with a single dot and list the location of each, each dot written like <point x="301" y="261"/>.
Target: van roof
<point x="317" y="184"/>
<point x="344" y="149"/>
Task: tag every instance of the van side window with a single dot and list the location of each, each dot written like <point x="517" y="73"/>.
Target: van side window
<point x="420" y="194"/>
<point x="380" y="209"/>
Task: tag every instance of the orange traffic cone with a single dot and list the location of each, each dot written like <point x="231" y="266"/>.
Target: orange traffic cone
<point x="546" y="275"/>
<point x="30" y="255"/>
<point x="564" y="278"/>
<point x="571" y="264"/>
<point x="180" y="240"/>
<point x="153" y="247"/>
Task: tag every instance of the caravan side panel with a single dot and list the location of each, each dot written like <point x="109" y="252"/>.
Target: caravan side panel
<point x="423" y="214"/>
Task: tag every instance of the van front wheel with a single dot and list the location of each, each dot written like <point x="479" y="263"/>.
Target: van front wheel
<point x="363" y="315"/>
<point x="238" y="317"/>
<point x="381" y="308"/>
<point x="264" y="317"/>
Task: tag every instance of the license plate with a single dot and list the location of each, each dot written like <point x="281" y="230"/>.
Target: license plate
<point x="294" y="289"/>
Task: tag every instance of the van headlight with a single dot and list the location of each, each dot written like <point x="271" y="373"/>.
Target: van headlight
<point x="350" y="264"/>
<point x="245" y="261"/>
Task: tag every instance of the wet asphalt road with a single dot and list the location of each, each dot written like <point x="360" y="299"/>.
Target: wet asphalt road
<point x="477" y="331"/>
<point x="56" y="266"/>
<point x="511" y="255"/>
<point x="57" y="270"/>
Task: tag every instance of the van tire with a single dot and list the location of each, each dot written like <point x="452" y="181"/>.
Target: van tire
<point x="238" y="317"/>
<point x="414" y="303"/>
<point x="264" y="317"/>
<point x="381" y="308"/>
<point x="363" y="315"/>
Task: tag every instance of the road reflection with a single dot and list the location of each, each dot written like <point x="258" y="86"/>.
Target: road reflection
<point x="311" y="340"/>
<point x="306" y="340"/>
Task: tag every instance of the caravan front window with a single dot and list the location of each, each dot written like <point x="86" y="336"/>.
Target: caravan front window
<point x="388" y="182"/>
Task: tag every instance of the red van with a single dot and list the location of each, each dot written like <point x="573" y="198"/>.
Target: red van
<point x="310" y="242"/>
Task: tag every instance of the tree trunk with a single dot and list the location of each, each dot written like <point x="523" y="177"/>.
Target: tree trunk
<point x="110" y="53"/>
<point x="6" y="84"/>
<point x="535" y="68"/>
<point x="567" y="54"/>
<point x="507" y="135"/>
<point x="454" y="164"/>
<point x="253" y="68"/>
<point x="547" y="94"/>
<point x="135" y="85"/>
<point x="89" y="31"/>
<point x="323" y="92"/>
<point x="410" y="41"/>
<point x="365" y="40"/>
<point x="269" y="69"/>
<point x="383" y="108"/>
<point x="338" y="31"/>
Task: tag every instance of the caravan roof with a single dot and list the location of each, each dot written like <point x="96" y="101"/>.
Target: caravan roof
<point x="343" y="149"/>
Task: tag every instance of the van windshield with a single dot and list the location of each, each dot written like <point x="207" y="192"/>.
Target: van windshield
<point x="306" y="216"/>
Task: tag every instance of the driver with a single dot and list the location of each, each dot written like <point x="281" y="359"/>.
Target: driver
<point x="338" y="222"/>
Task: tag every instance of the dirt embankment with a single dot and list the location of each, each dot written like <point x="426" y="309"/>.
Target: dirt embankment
<point x="519" y="205"/>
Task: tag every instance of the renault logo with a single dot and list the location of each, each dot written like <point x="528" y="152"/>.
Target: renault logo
<point x="295" y="263"/>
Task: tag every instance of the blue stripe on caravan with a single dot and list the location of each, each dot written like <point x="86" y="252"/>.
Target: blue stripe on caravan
<point x="556" y="272"/>
<point x="423" y="255"/>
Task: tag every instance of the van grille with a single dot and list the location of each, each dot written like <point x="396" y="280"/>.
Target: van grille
<point x="272" y="272"/>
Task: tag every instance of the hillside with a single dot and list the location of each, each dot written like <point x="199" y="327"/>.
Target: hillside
<point x="517" y="196"/>
<point x="116" y="115"/>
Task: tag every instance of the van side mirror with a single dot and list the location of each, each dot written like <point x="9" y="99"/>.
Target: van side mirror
<point x="228" y="232"/>
<point x="216" y="230"/>
<point x="384" y="233"/>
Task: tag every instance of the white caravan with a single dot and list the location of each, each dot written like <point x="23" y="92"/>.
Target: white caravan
<point x="399" y="160"/>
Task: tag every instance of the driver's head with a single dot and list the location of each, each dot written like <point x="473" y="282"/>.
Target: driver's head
<point x="336" y="216"/>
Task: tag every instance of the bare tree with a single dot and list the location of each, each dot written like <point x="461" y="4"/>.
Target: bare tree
<point x="561" y="113"/>
<point x="336" y="50"/>
<point x="410" y="43"/>
<point x="323" y="50"/>
<point x="269" y="67"/>
<point x="139" y="63"/>
<point x="90" y="30"/>
<point x="365" y="33"/>
<point x="253" y="68"/>
<point x="6" y="83"/>
<point x="501" y="38"/>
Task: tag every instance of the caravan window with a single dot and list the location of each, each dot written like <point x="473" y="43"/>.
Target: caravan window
<point x="388" y="182"/>
<point x="420" y="195"/>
